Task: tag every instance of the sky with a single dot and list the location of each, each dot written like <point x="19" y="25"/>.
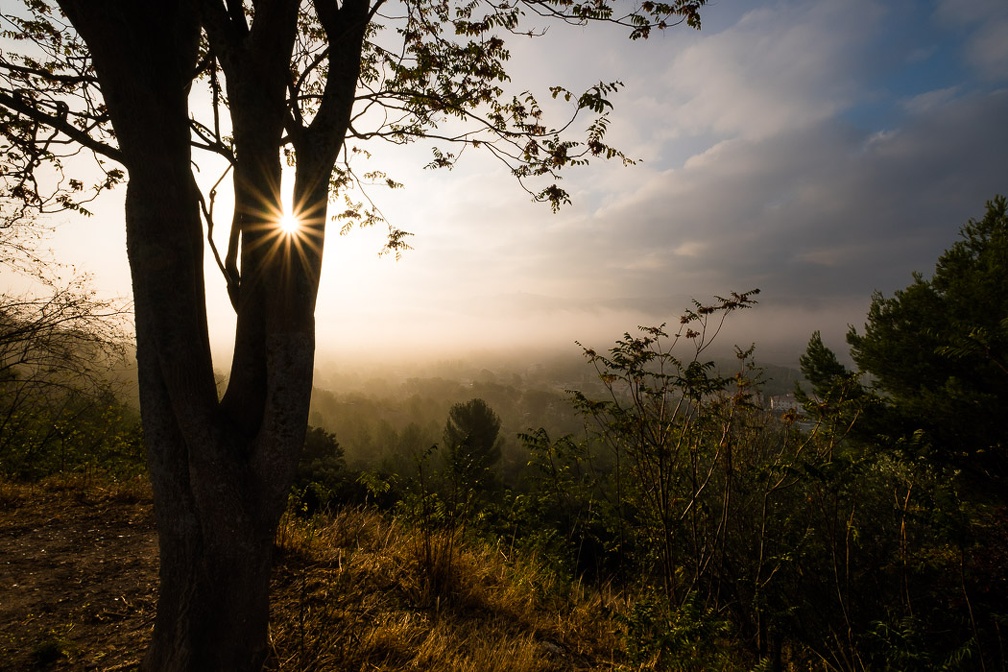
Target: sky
<point x="818" y="150"/>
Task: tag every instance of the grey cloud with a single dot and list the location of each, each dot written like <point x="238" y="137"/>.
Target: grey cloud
<point x="823" y="212"/>
<point x="782" y="66"/>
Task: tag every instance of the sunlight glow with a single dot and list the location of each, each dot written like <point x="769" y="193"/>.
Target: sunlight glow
<point x="289" y="223"/>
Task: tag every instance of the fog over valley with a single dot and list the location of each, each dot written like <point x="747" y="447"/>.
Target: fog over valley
<point x="817" y="150"/>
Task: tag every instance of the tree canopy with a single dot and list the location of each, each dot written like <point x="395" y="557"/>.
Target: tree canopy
<point x="939" y="349"/>
<point x="422" y="70"/>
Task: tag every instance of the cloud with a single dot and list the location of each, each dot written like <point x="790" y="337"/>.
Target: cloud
<point x="924" y="102"/>
<point x="985" y="22"/>
<point x="988" y="51"/>
<point x="783" y="188"/>
<point x="810" y="148"/>
<point x="825" y="210"/>
<point x="786" y="65"/>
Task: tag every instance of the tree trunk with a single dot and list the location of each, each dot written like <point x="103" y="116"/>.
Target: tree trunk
<point x="220" y="471"/>
<point x="219" y="483"/>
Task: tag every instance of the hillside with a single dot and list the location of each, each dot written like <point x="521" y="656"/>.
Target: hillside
<point x="78" y="592"/>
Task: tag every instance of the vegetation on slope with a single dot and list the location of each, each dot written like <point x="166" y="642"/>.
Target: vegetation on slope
<point x="688" y="526"/>
<point x="79" y="587"/>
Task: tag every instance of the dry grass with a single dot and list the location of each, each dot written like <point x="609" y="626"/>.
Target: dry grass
<point x="349" y="594"/>
<point x="90" y="488"/>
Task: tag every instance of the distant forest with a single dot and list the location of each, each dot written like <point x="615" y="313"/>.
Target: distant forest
<point x="380" y="421"/>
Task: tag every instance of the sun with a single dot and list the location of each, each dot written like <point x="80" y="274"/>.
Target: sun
<point x="289" y="223"/>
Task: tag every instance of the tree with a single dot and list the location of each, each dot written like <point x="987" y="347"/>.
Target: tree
<point x="820" y="367"/>
<point x="323" y="478"/>
<point x="470" y="439"/>
<point x="284" y="79"/>
<point x="839" y="403"/>
<point x="938" y="350"/>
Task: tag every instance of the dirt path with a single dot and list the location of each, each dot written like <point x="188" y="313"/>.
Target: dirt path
<point x="78" y="577"/>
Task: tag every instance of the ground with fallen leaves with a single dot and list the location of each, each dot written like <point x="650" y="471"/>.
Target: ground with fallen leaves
<point x="78" y="576"/>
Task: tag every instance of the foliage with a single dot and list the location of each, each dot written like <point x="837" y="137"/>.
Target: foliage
<point x="820" y="548"/>
<point x="839" y="405"/>
<point x="560" y="507"/>
<point x="323" y="480"/>
<point x="938" y="350"/>
<point x="803" y="539"/>
<point x="60" y="430"/>
<point x="428" y="70"/>
<point x="661" y="420"/>
<point x="383" y="425"/>
<point x="61" y="349"/>
<point x="685" y="639"/>
<point x="885" y="540"/>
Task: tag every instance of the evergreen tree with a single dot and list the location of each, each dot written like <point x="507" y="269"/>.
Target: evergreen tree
<point x="470" y="439"/>
<point x="939" y="350"/>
